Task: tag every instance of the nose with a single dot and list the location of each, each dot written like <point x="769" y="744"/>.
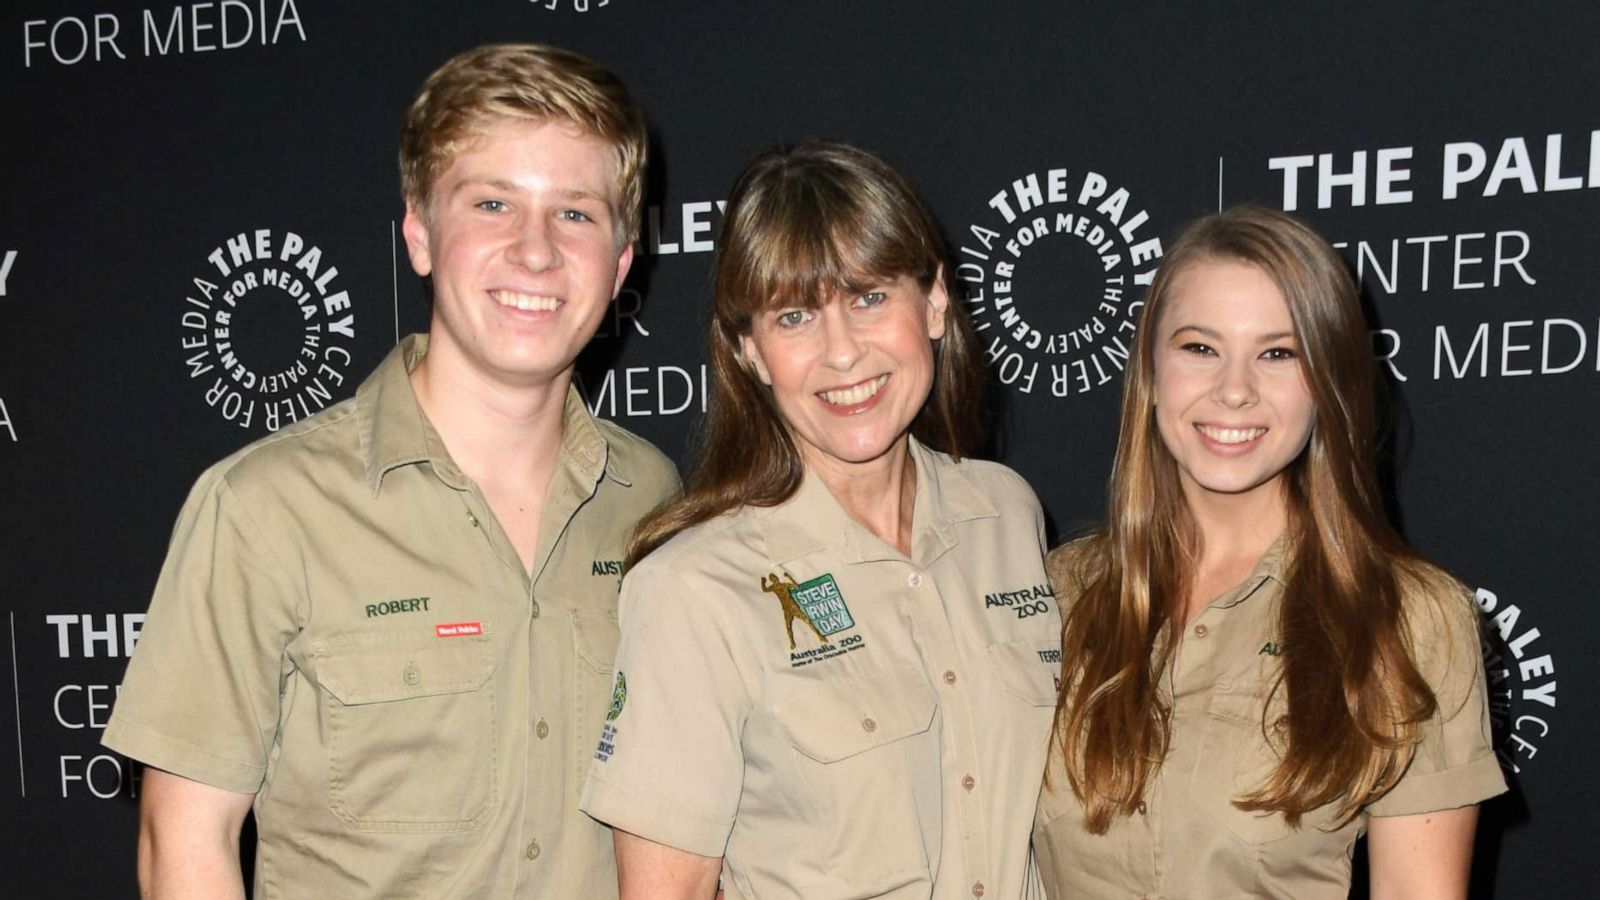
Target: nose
<point x="533" y="247"/>
<point x="1235" y="387"/>
<point x="842" y="347"/>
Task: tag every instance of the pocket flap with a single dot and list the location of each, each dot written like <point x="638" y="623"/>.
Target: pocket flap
<point x="378" y="674"/>
<point x="1028" y="669"/>
<point x="846" y="716"/>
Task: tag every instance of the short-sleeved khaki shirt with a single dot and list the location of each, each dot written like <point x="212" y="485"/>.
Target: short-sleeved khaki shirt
<point x="342" y="628"/>
<point x="893" y="747"/>
<point x="1188" y="840"/>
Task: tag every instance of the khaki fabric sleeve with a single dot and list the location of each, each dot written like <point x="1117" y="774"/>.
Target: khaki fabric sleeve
<point x="670" y="764"/>
<point x="1455" y="763"/>
<point x="201" y="695"/>
<point x="1068" y="568"/>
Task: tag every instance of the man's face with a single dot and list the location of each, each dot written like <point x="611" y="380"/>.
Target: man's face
<point x="522" y="238"/>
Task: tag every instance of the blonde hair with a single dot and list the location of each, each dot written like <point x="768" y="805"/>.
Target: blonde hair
<point x="527" y="82"/>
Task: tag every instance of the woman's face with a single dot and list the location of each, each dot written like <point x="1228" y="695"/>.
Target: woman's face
<point x="850" y="376"/>
<point x="1232" y="405"/>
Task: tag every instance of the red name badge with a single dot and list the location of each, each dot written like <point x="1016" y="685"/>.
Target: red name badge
<point x="458" y="629"/>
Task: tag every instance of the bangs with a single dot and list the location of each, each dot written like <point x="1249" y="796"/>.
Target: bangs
<point x="809" y="237"/>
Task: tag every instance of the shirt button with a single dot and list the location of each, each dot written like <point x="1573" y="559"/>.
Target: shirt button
<point x="542" y="729"/>
<point x="949" y="677"/>
<point x="533" y="850"/>
<point x="413" y="675"/>
<point x="977" y="889"/>
<point x="534" y="607"/>
<point x="968" y="782"/>
<point x="1201" y="630"/>
<point x="1142" y="808"/>
<point x="1281" y="723"/>
<point x="473" y="519"/>
<point x="915" y="580"/>
<point x="869" y="724"/>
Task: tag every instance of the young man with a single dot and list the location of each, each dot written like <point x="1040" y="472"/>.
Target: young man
<point x="390" y="628"/>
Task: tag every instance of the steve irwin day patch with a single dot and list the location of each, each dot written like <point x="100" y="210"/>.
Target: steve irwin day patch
<point x="819" y="606"/>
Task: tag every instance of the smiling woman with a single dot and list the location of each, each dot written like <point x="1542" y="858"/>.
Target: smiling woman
<point x="1256" y="668"/>
<point x="821" y="698"/>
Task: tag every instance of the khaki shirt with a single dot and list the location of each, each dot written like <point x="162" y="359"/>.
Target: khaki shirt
<point x="1188" y="840"/>
<point x="342" y="629"/>
<point x="893" y="747"/>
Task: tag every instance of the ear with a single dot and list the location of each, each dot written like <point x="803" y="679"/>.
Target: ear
<point x="752" y="355"/>
<point x="416" y="234"/>
<point x="624" y="263"/>
<point x="938" y="304"/>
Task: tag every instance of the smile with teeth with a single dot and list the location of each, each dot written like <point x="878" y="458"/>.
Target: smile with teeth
<point x="1230" y="435"/>
<point x="856" y="393"/>
<point x="526" y="302"/>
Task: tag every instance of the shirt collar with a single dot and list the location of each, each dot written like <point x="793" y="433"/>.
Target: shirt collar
<point x="396" y="433"/>
<point x="813" y="521"/>
<point x="1270" y="567"/>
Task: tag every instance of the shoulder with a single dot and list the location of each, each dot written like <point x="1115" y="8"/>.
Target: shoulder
<point x="710" y="547"/>
<point x="312" y="448"/>
<point x="1441" y="621"/>
<point x="639" y="461"/>
<point x="1073" y="565"/>
<point x="997" y="482"/>
<point x="1433" y="602"/>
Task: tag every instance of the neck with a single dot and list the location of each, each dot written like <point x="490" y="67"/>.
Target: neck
<point x="1238" y="526"/>
<point x="879" y="494"/>
<point x="496" y="433"/>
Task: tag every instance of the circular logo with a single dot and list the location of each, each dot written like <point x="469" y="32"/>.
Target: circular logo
<point x="1522" y="681"/>
<point x="267" y="330"/>
<point x="1055" y="277"/>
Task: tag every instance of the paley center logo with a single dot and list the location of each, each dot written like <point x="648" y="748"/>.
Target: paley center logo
<point x="1521" y="678"/>
<point x="1055" y="274"/>
<point x="267" y="330"/>
<point x="581" y="6"/>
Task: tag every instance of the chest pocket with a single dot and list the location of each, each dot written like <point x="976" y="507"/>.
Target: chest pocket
<point x="845" y="717"/>
<point x="1028" y="670"/>
<point x="1237" y="757"/>
<point x="865" y="776"/>
<point x="411" y="723"/>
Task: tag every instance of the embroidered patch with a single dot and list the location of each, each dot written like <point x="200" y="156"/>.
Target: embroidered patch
<point x="619" y="697"/>
<point x="784" y="588"/>
<point x="822" y="603"/>
<point x="458" y="629"/>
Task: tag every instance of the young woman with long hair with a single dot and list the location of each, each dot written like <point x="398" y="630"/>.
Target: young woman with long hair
<point x="1256" y="668"/>
<point x="838" y="650"/>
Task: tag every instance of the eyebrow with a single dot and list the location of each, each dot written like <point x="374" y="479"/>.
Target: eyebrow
<point x="1217" y="336"/>
<point x="501" y="184"/>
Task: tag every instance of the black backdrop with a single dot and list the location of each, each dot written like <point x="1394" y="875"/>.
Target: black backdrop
<point x="1453" y="151"/>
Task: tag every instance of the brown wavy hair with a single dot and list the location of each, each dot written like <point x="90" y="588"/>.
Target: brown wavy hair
<point x="1356" y="698"/>
<point x="803" y="224"/>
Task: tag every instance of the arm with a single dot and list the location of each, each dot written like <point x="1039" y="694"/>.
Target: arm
<point x="1426" y="856"/>
<point x="647" y="870"/>
<point x="189" y="839"/>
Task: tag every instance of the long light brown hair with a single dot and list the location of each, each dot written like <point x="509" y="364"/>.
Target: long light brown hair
<point x="803" y="224"/>
<point x="1355" y="695"/>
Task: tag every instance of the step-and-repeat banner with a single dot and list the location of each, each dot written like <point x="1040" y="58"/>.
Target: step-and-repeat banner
<point x="199" y="244"/>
